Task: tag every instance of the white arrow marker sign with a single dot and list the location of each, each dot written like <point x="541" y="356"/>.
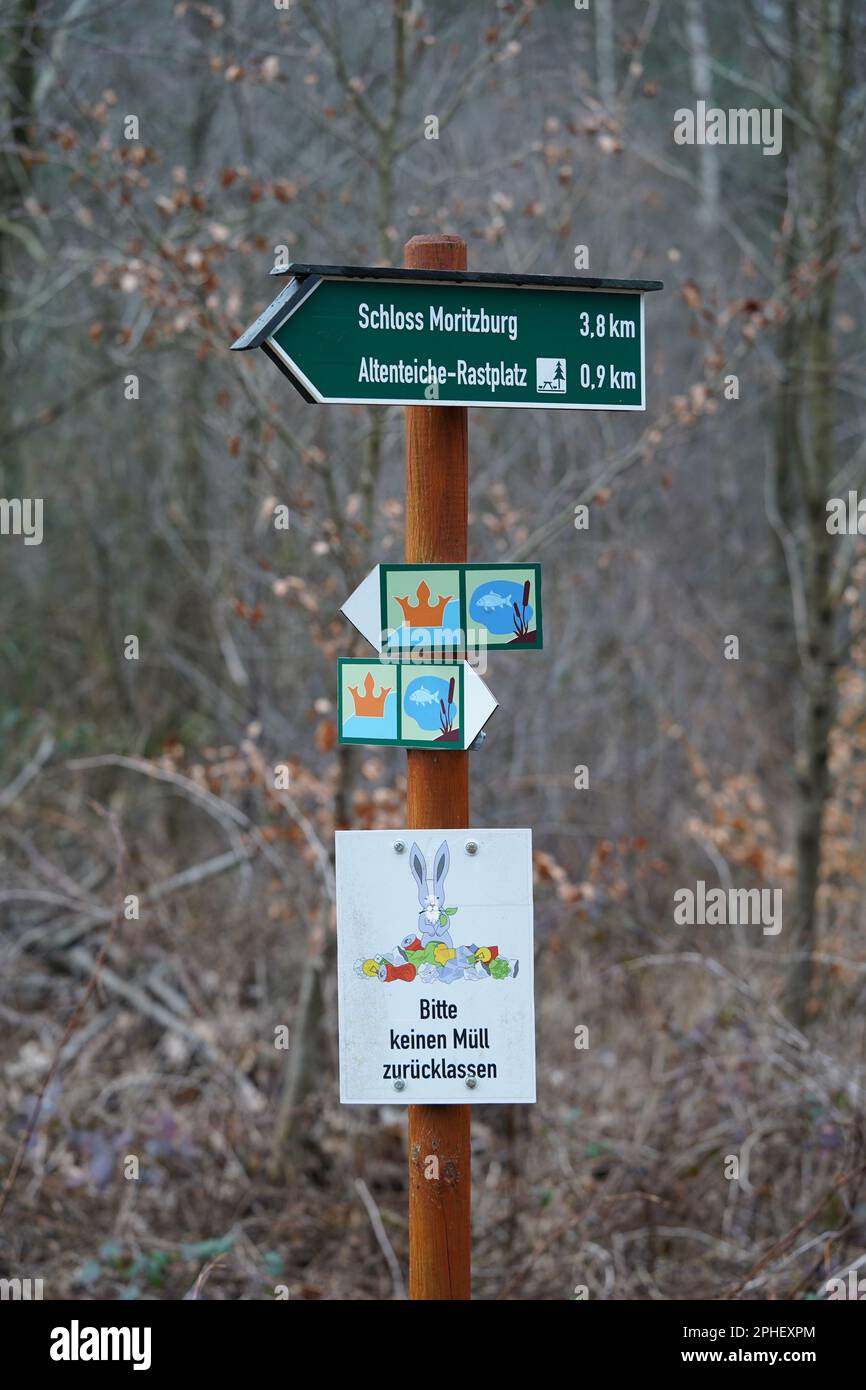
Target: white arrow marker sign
<point x="440" y="706"/>
<point x="432" y="612"/>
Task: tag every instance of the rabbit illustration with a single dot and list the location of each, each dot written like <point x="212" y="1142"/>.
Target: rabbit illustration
<point x="432" y="896"/>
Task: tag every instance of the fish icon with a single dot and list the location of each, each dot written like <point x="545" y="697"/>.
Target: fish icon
<point x="422" y="696"/>
<point x="493" y="600"/>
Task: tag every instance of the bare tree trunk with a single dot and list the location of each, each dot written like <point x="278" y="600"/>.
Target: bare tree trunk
<point x="605" y="53"/>
<point x="20" y="79"/>
<point x="322" y="944"/>
<point x="304" y="1048"/>
<point x="709" y="168"/>
<point x="789" y="455"/>
<point x="823" y="182"/>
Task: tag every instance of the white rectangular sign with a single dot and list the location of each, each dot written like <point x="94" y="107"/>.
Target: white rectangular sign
<point x="434" y="965"/>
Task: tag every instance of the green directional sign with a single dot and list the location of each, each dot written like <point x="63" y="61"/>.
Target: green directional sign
<point x="363" y="335"/>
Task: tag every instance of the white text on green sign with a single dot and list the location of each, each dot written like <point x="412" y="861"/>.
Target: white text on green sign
<point x="408" y="342"/>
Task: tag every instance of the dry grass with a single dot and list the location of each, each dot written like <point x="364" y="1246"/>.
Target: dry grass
<point x="615" y="1180"/>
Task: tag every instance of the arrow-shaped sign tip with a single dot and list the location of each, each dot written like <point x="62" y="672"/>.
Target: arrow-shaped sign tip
<point x="480" y="704"/>
<point x="362" y="608"/>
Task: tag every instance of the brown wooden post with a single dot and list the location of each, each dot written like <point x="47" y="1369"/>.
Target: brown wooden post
<point x="437" y="794"/>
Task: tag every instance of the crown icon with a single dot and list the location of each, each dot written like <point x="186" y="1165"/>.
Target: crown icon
<point x="373" y="706"/>
<point x="424" y="613"/>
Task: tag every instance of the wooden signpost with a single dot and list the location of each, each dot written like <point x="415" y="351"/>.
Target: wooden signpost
<point x="432" y="335"/>
<point x="437" y="795"/>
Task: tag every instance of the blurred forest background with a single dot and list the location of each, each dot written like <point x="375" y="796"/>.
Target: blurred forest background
<point x="264" y="126"/>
